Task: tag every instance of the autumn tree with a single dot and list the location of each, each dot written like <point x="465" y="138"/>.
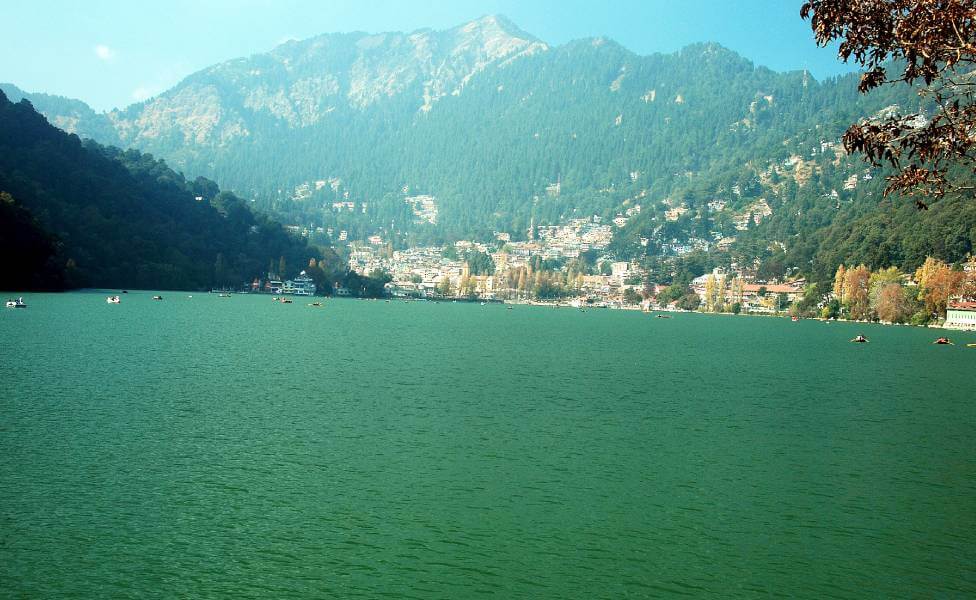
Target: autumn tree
<point x="839" y="282"/>
<point x="891" y="304"/>
<point x="721" y="291"/>
<point x="856" y="281"/>
<point x="938" y="283"/>
<point x="738" y="288"/>
<point x="928" y="43"/>
<point x="710" y="293"/>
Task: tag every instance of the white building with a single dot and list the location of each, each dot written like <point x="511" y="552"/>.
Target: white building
<point x="300" y="286"/>
<point x="961" y="315"/>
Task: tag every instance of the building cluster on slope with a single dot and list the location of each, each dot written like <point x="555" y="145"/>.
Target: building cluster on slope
<point x="432" y="270"/>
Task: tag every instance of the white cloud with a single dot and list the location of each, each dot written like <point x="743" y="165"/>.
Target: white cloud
<point x="142" y="93"/>
<point x="103" y="52"/>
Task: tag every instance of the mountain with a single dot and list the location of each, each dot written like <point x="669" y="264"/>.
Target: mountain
<point x="73" y="116"/>
<point x="498" y="131"/>
<point x="78" y="214"/>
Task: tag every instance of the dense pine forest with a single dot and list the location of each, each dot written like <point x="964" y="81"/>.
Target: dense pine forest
<point x="78" y="214"/>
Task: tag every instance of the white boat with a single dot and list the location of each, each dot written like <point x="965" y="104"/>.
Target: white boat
<point x="18" y="303"/>
<point x="113" y="300"/>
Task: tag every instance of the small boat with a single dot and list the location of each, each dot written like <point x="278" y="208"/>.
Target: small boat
<point x="663" y="316"/>
<point x="113" y="300"/>
<point x="18" y="303"/>
<point x="315" y="304"/>
<point x="860" y="339"/>
<point x="223" y="295"/>
<point x="483" y="303"/>
<point x="125" y="291"/>
<point x="943" y="341"/>
<point x="157" y="298"/>
<point x="510" y="307"/>
<point x="794" y="319"/>
<point x="971" y="345"/>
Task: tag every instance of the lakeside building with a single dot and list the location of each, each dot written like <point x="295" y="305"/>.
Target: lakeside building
<point x="961" y="315"/>
<point x="300" y="286"/>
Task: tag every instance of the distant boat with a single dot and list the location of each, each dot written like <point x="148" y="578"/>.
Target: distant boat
<point x="223" y="295"/>
<point x="113" y="300"/>
<point x="18" y="303"/>
<point x="663" y="316"/>
<point x="943" y="341"/>
<point x="794" y="319"/>
<point x="315" y="304"/>
<point x="860" y="339"/>
<point x="971" y="345"/>
<point x="157" y="297"/>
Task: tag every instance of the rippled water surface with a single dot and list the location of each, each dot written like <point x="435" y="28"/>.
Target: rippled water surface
<point x="239" y="448"/>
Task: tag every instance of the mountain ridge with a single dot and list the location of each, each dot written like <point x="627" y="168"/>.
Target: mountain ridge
<point x="502" y="132"/>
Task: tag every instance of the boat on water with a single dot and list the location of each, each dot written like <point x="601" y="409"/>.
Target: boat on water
<point x="18" y="303"/>
<point x="971" y="345"/>
<point x="113" y="300"/>
<point x="223" y="295"/>
<point x="860" y="339"/>
<point x="943" y="341"/>
<point x="315" y="304"/>
<point x="157" y="298"/>
<point x="794" y="319"/>
<point x="663" y="316"/>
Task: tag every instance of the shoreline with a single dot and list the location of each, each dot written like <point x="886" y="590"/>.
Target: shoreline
<point x="496" y="301"/>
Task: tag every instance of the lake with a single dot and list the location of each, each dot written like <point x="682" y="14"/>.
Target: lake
<point x="236" y="447"/>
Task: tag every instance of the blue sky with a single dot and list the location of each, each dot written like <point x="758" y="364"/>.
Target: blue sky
<point x="111" y="53"/>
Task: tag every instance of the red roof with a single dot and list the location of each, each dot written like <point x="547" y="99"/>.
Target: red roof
<point x="962" y="305"/>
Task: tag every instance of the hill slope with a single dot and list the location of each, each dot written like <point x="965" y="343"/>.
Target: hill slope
<point x="503" y="131"/>
<point x="97" y="216"/>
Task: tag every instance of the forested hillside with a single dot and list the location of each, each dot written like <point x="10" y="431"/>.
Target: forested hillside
<point x="79" y="214"/>
<point x="702" y="151"/>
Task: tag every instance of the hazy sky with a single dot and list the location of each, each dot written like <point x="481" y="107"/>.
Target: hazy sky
<point x="111" y="53"/>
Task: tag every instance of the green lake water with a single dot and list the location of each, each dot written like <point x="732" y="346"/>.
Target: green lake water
<point x="234" y="447"/>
